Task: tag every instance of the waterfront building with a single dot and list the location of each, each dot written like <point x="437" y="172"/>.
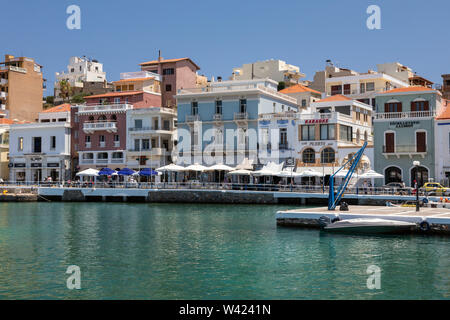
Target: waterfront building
<point x="334" y="130"/>
<point x="219" y="123"/>
<point x="151" y="136"/>
<point x="276" y="70"/>
<point x="304" y="95"/>
<point x="85" y="76"/>
<point x="176" y="74"/>
<point x="21" y="88"/>
<point x="446" y="86"/>
<point x="404" y="132"/>
<point x="100" y="126"/>
<point x="41" y="149"/>
<point x="442" y="144"/>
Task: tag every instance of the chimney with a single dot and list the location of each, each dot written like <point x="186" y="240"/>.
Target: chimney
<point x="159" y="56"/>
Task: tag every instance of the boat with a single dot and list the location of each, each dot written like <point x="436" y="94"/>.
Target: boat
<point x="369" y="225"/>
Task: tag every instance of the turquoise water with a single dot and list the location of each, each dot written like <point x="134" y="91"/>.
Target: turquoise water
<point x="171" y="251"/>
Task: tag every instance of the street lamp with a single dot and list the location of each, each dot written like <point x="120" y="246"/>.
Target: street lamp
<point x="417" y="165"/>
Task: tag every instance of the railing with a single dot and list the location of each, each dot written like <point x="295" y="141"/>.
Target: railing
<point x="404" y="149"/>
<point x="404" y="115"/>
<point x="283" y="146"/>
<point x="140" y="129"/>
<point x="192" y="118"/>
<point x="104" y="108"/>
<point x="241" y="116"/>
<point x="3" y="81"/>
<point x="3" y="95"/>
<point x="218" y="117"/>
<point x="99" y="126"/>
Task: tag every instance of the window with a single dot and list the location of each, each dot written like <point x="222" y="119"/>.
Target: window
<point x="53" y="142"/>
<point x="362" y="88"/>
<point x="87" y="139"/>
<point x="101" y="140"/>
<point x="308" y="133"/>
<point x="304" y="103"/>
<point x="327" y="132"/>
<point x="102" y="156"/>
<point x="145" y="144"/>
<point x="137" y="145"/>
<point x="218" y="106"/>
<point x="218" y="136"/>
<point x="309" y="156"/>
<point x="131" y="87"/>
<point x="243" y="105"/>
<point x="116" y="138"/>
<point x="370" y="86"/>
<point x="169" y="71"/>
<point x="168" y="87"/>
<point x="166" y="125"/>
<point x="37" y="145"/>
<point x="283" y="139"/>
<point x="117" y="155"/>
<point x="116" y="100"/>
<point x="336" y="90"/>
<point x="393" y="107"/>
<point x="328" y="156"/>
<point x="88" y="156"/>
<point x="194" y="108"/>
<point x="420" y="106"/>
<point x="138" y="123"/>
<point x="20" y="144"/>
<point x="345" y="133"/>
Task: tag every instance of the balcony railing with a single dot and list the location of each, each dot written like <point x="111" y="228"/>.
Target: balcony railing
<point x="283" y="146"/>
<point x="193" y="118"/>
<point x="3" y="82"/>
<point x="3" y="95"/>
<point x="241" y="116"/>
<point x="104" y="108"/>
<point x="2" y="106"/>
<point x="404" y="115"/>
<point x="218" y="117"/>
<point x="100" y="126"/>
<point x="405" y="149"/>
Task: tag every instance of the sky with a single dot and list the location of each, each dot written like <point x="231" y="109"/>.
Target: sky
<point x="222" y="35"/>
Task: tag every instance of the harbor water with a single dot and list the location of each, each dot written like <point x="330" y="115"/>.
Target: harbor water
<point x="191" y="251"/>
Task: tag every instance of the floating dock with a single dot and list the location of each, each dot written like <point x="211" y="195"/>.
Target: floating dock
<point x="437" y="218"/>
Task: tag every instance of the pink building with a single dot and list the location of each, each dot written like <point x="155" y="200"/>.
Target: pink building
<point x="176" y="74"/>
<point x="99" y="128"/>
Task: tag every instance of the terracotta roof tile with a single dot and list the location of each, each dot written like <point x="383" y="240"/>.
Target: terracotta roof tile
<point x="61" y="108"/>
<point x="408" y="89"/>
<point x="149" y="63"/>
<point x="114" y="94"/>
<point x="298" y="88"/>
<point x="338" y="97"/>
<point x="445" y="114"/>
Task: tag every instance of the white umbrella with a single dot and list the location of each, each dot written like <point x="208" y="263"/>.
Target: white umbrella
<point x="311" y="173"/>
<point x="88" y="173"/>
<point x="219" y="167"/>
<point x="196" y="167"/>
<point x="289" y="174"/>
<point x="171" y="167"/>
<point x="264" y="172"/>
<point x="241" y="172"/>
<point x="341" y="174"/>
<point x="371" y="175"/>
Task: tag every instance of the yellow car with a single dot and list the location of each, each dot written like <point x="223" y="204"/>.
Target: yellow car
<point x="436" y="188"/>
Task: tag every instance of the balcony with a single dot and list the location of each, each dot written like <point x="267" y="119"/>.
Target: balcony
<point x="241" y="117"/>
<point x="90" y="127"/>
<point x="404" y="115"/>
<point x="283" y="146"/>
<point x="3" y="82"/>
<point x="3" y="95"/>
<point x="405" y="150"/>
<point x="3" y="107"/>
<point x="218" y="117"/>
<point x="96" y="109"/>
<point x="192" y="118"/>
<point x="150" y="129"/>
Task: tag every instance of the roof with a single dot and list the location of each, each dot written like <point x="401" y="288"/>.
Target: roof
<point x="298" y="88"/>
<point x="408" y="89"/>
<point x="10" y="121"/>
<point x="445" y="114"/>
<point x="337" y="97"/>
<point x="149" y="63"/>
<point x="114" y="94"/>
<point x="61" y="108"/>
<point x="132" y="80"/>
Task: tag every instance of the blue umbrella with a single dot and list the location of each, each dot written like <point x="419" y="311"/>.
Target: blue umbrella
<point x="126" y="172"/>
<point x="148" y="172"/>
<point x="106" y="172"/>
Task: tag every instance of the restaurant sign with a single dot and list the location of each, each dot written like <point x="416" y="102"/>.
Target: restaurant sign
<point x="404" y="124"/>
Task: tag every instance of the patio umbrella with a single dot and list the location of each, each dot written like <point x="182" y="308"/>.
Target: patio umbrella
<point x="126" y="172"/>
<point x="240" y="172"/>
<point x="196" y="168"/>
<point x="171" y="167"/>
<point x="88" y="173"/>
<point x="311" y="173"/>
<point x="147" y="172"/>
<point x="221" y="168"/>
<point x="371" y="175"/>
<point x="106" y="172"/>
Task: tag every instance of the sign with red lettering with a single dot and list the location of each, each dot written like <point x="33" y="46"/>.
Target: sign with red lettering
<point x="316" y="121"/>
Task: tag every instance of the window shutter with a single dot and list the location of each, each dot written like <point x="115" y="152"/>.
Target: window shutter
<point x="413" y="106"/>
<point x="426" y="106"/>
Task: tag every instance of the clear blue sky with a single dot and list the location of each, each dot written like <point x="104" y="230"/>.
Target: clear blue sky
<point x="220" y="35"/>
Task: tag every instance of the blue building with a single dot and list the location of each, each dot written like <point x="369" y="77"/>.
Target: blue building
<point x="219" y="123"/>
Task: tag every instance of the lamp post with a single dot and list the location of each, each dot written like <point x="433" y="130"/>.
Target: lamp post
<point x="416" y="165"/>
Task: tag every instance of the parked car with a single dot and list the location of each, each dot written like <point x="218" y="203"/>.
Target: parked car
<point x="397" y="187"/>
<point x="434" y="188"/>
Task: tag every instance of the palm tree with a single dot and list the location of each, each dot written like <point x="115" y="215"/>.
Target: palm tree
<point x="65" y="90"/>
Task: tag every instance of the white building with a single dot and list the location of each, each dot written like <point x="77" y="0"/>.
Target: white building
<point x="442" y="145"/>
<point x="277" y="70"/>
<point x="79" y="71"/>
<point x="41" y="150"/>
<point x="151" y="136"/>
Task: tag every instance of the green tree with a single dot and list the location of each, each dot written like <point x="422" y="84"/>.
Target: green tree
<point x="78" y="98"/>
<point x="65" y="90"/>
